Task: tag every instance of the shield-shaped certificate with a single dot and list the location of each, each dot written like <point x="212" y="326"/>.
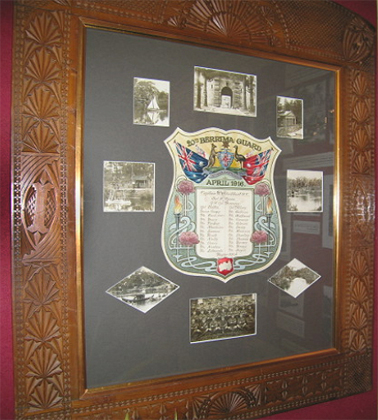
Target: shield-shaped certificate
<point x="222" y="218"/>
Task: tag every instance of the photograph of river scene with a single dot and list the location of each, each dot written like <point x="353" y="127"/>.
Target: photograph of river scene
<point x="143" y="289"/>
<point x="129" y="186"/>
<point x="304" y="191"/>
<point x="151" y="102"/>
<point x="294" y="278"/>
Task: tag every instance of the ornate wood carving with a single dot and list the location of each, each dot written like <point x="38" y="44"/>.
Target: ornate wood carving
<point x="250" y="23"/>
<point x="38" y="162"/>
<point x="46" y="314"/>
<point x="358" y="42"/>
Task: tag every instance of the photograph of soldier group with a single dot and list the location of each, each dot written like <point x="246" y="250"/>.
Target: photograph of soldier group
<point x="222" y="317"/>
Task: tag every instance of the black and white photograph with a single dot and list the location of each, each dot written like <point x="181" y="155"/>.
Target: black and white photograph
<point x="151" y="102"/>
<point x="304" y="191"/>
<point x="294" y="278"/>
<point x="222" y="317"/>
<point x="225" y="92"/>
<point x="129" y="186"/>
<point x="289" y="117"/>
<point x="143" y="289"/>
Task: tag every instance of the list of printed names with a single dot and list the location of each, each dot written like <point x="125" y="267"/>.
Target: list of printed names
<point x="224" y="222"/>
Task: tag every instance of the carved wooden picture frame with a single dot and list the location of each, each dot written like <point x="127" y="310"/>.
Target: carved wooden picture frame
<point x="48" y="86"/>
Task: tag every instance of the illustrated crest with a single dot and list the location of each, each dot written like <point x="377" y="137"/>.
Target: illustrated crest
<point x="222" y="218"/>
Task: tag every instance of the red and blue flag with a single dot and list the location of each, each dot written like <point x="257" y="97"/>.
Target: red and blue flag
<point x="192" y="163"/>
<point x="256" y="167"/>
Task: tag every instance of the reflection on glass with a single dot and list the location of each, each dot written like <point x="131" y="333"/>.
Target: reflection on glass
<point x="140" y="344"/>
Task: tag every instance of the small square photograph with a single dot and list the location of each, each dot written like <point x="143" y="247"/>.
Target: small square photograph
<point x="222" y="317"/>
<point x="143" y="289"/>
<point x="151" y="102"/>
<point x="225" y="92"/>
<point x="129" y="186"/>
<point x="294" y="278"/>
<point x="289" y="117"/>
<point x="304" y="191"/>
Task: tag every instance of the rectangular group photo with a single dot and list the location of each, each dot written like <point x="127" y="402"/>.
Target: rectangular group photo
<point x="222" y="317"/>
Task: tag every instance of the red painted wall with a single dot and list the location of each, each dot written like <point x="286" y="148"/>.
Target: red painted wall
<point x="6" y="371"/>
<point x="361" y="407"/>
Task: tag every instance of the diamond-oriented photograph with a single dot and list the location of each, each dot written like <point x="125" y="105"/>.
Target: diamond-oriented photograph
<point x="143" y="289"/>
<point x="294" y="278"/>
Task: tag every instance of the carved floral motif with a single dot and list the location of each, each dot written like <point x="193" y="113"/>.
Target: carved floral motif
<point x="362" y="200"/>
<point x="358" y="41"/>
<point x="361" y="303"/>
<point x="41" y="107"/>
<point x="230" y="403"/>
<point x="43" y="339"/>
<point x="256" y="22"/>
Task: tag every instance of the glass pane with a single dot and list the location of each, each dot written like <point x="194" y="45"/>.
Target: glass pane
<point x="283" y="310"/>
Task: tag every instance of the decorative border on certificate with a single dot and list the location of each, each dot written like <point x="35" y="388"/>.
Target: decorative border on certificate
<point x="222" y="218"/>
<point x="151" y="102"/>
<point x="222" y="317"/>
<point x="129" y="186"/>
<point x="225" y="92"/>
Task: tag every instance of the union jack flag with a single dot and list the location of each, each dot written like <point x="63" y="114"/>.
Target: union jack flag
<point x="256" y="167"/>
<point x="192" y="163"/>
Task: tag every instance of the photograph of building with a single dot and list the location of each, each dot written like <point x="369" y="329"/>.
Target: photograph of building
<point x="224" y="92"/>
<point x="289" y="117"/>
